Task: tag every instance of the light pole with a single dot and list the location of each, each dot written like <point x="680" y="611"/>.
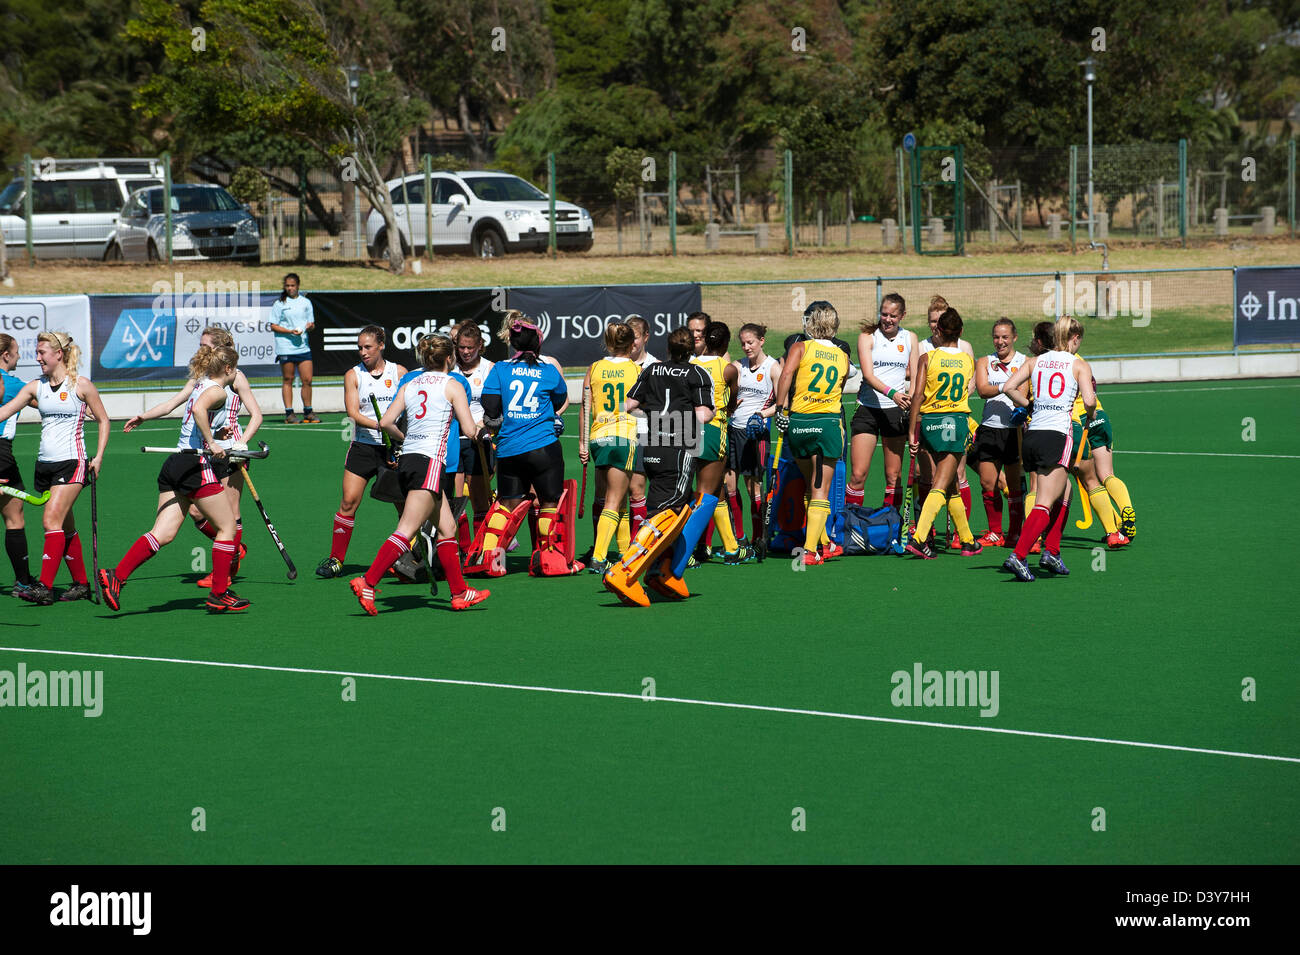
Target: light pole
<point x="1089" y="76"/>
<point x="354" y="81"/>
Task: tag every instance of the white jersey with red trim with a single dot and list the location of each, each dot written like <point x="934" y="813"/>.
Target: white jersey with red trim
<point x="428" y="415"/>
<point x="477" y="379"/>
<point x="889" y="360"/>
<point x="384" y="388"/>
<point x="997" y="410"/>
<point x="227" y="416"/>
<point x="63" y="421"/>
<point x="191" y="436"/>
<point x="1054" y="390"/>
<point x="756" y="388"/>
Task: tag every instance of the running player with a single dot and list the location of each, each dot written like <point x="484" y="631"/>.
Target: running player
<point x="636" y="495"/>
<point x="942" y="419"/>
<point x="193" y="476"/>
<point x="997" y="440"/>
<point x="10" y="476"/>
<point x="678" y="400"/>
<point x="816" y="369"/>
<point x="475" y="368"/>
<point x="229" y="435"/>
<point x="430" y="400"/>
<point x="711" y="460"/>
<point x="1058" y="376"/>
<point x="63" y="399"/>
<point x="888" y="354"/>
<point x="375" y="377"/>
<point x="609" y="440"/>
<point x="747" y="437"/>
<point x="522" y="398"/>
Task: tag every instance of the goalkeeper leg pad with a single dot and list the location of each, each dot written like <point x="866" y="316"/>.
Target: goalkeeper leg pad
<point x="553" y="557"/>
<point x="654" y="540"/>
<point x="487" y="554"/>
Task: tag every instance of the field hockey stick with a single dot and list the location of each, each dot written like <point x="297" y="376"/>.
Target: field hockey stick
<point x="25" y="496"/>
<point x="262" y="452"/>
<point x="1086" y="521"/>
<point x="94" y="535"/>
<point x="905" y="535"/>
<point x="293" y="571"/>
<point x="769" y="510"/>
<point x="584" y="442"/>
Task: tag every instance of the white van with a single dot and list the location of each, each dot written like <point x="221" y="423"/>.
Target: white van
<point x="75" y="205"/>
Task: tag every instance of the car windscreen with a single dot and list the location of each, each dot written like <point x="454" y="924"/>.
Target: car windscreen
<point x="195" y="200"/>
<point x="502" y="188"/>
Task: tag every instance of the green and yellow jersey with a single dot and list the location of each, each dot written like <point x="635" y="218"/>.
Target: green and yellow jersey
<point x="948" y="375"/>
<point x="611" y="380"/>
<point x="819" y="380"/>
<point x="716" y="367"/>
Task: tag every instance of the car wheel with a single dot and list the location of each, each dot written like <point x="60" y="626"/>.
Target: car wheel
<point x="153" y="252"/>
<point x="585" y="247"/>
<point x="113" y="253"/>
<point x="489" y="243"/>
<point x="380" y="251"/>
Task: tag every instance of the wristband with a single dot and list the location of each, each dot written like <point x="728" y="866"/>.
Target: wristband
<point x="1002" y="388"/>
<point x="892" y="391"/>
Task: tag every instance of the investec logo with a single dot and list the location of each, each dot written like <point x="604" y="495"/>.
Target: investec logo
<point x="1280" y="309"/>
<point x="403" y="336"/>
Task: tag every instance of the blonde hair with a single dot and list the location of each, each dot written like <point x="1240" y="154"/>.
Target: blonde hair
<point x="937" y="304"/>
<point x="619" y="338"/>
<point x="208" y="361"/>
<point x="433" y="351"/>
<point x="64" y="343"/>
<point x="1066" y="328"/>
<point x="221" y="337"/>
<point x="821" y="321"/>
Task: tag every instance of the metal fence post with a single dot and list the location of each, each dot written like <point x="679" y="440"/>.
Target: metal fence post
<point x="1182" y="191"/>
<point x="302" y="211"/>
<point x="959" y="212"/>
<point x="27" y="207"/>
<point x="167" y="203"/>
<point x="550" y="188"/>
<point x="428" y="206"/>
<point x="672" y="200"/>
<point x="789" y="202"/>
<point x="1074" y="194"/>
<point x="1060" y="306"/>
<point x="880" y="291"/>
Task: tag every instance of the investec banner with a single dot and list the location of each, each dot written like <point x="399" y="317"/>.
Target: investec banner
<point x="1267" y="306"/>
<point x="405" y="317"/>
<point x="25" y="318"/>
<point x="573" y="318"/>
<point x="153" y="336"/>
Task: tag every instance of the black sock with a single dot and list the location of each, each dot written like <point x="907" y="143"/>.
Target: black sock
<point x="16" y="547"/>
<point x="306" y="409"/>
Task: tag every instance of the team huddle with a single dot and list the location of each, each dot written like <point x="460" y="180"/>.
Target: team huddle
<point x="675" y="444"/>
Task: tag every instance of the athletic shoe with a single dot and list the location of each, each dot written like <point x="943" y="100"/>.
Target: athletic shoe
<point x="831" y="550"/>
<point x="75" y="592"/>
<point x="291" y="418"/>
<point x="921" y="549"/>
<point x="1038" y="547"/>
<point x="329" y="567"/>
<point x="1019" y="568"/>
<point x="1115" y="540"/>
<point x="513" y="545"/>
<point x="813" y="559"/>
<point x="310" y="418"/>
<point x="587" y="558"/>
<point x="1128" y="525"/>
<point x="469" y="598"/>
<point x="598" y="566"/>
<point x="665" y="584"/>
<point x="205" y="582"/>
<point x="227" y="602"/>
<point x="692" y="563"/>
<point x="703" y="554"/>
<point x="1053" y="563"/>
<point x="954" y="542"/>
<point x="992" y="539"/>
<point x="971" y="549"/>
<point x="743" y="554"/>
<point x="21" y="590"/>
<point x="110" y="587"/>
<point x="365" y="595"/>
<point x="38" y="594"/>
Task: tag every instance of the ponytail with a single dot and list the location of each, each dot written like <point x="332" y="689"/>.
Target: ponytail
<point x="71" y="350"/>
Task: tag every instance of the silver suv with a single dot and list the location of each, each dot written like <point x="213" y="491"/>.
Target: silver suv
<point x="482" y="212"/>
<point x="75" y="205"/>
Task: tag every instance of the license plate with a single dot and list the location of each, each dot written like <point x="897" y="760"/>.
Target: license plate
<point x="566" y="227"/>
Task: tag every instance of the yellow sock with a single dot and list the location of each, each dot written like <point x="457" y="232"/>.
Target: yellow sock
<point x="545" y="518"/>
<point x="819" y="513"/>
<point x="604" y="534"/>
<point x="722" y="522"/>
<point x="826" y="537"/>
<point x="624" y="532"/>
<point x="1105" y="513"/>
<point x="957" y="508"/>
<point x="497" y="519"/>
<point x="1119" y="492"/>
<point x="1029" y="502"/>
<point x="934" y="502"/>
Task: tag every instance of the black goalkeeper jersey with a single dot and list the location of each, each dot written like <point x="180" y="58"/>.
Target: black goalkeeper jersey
<point x="668" y="394"/>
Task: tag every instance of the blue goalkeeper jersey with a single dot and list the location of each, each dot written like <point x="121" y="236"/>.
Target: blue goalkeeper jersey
<point x="529" y="396"/>
<point x="10" y="385"/>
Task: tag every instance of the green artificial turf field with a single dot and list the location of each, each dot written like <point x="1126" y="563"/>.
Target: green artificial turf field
<point x="520" y="732"/>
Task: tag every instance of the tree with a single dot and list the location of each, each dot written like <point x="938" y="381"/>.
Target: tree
<point x="275" y="65"/>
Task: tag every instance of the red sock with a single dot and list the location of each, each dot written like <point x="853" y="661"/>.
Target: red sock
<point x="342" y="536"/>
<point x="639" y="515"/>
<point x="389" y="551"/>
<point x="223" y="552"/>
<point x="239" y="537"/>
<point x="707" y="539"/>
<point x="854" y="497"/>
<point x="1053" y="542"/>
<point x="205" y="528"/>
<point x="144" y="548"/>
<point x="449" y="557"/>
<point x="993" y="510"/>
<point x="54" y="542"/>
<point x="72" y="555"/>
<point x="737" y="513"/>
<point x="964" y="490"/>
<point x="888" y="500"/>
<point x="1016" y="520"/>
<point x="1035" y="524"/>
<point x="463" y="536"/>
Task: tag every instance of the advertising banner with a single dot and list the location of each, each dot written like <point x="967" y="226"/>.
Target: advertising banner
<point x="25" y="318"/>
<point x="1267" y="306"/>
